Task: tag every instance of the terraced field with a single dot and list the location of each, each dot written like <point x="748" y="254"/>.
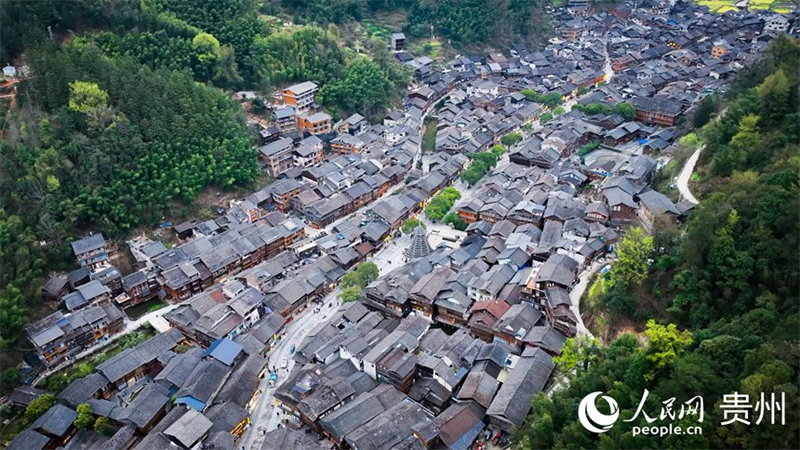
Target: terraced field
<point x="721" y="6"/>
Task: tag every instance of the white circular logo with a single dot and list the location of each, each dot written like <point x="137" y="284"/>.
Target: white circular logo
<point x="592" y="419"/>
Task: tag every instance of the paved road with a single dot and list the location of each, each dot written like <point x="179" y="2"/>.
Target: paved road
<point x="686" y="175"/>
<point x="577" y="292"/>
<point x="265" y="415"/>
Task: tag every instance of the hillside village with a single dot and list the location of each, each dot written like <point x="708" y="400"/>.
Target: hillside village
<point x="458" y="333"/>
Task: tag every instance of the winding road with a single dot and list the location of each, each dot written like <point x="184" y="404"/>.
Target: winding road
<point x="686" y="175"/>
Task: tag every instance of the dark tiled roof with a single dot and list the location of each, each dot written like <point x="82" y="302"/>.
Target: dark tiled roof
<point x="83" y="389"/>
<point x="146" y="405"/>
<point x="88" y="244"/>
<point x="129" y="360"/>
<point x="29" y="440"/>
<point x="513" y="400"/>
<point x="56" y="421"/>
<point x="23" y="395"/>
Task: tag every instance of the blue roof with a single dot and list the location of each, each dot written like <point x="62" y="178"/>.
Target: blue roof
<point x="468" y="438"/>
<point x="191" y="402"/>
<point x="224" y="350"/>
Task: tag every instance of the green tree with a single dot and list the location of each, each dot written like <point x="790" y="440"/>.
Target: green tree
<point x="410" y="225"/>
<point x="350" y="294"/>
<point x="633" y="253"/>
<point x="775" y="96"/>
<point x="577" y="355"/>
<point x="350" y="279"/>
<point x="38" y="406"/>
<point x="666" y="344"/>
<point x="705" y="109"/>
<point x="9" y="378"/>
<point x="367" y="272"/>
<point x="364" y="274"/>
<point x="85" y="416"/>
<point x="733" y="266"/>
<point x="626" y="110"/>
<point x="530" y="95"/>
<point x="441" y="204"/>
<point x="365" y="88"/>
<point x="511" y="139"/>
<point x="551" y="99"/>
<point x="84" y="96"/>
<point x="102" y="425"/>
<point x="559" y="110"/>
<point x="206" y="48"/>
<point x="546" y="117"/>
<point x="455" y="221"/>
<point x="486" y="159"/>
<point x="13" y="315"/>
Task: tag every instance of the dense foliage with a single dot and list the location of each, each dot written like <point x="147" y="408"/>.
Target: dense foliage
<point x="464" y="22"/>
<point x="455" y="221"/>
<point x="22" y="264"/>
<point x="85" y="416"/>
<point x="354" y="282"/>
<point x="308" y="53"/>
<point x="482" y="162"/>
<point x="732" y="278"/>
<point x="550" y="99"/>
<point x="438" y="207"/>
<point x="624" y="109"/>
<point x="511" y="139"/>
<point x="364" y="88"/>
<point x="471" y="22"/>
<point x="38" y="406"/>
<point x="232" y="22"/>
<point x="410" y="225"/>
<point x="112" y="143"/>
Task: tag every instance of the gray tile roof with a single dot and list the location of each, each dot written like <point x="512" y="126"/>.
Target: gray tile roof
<point x="189" y="429"/>
<point x="88" y="244"/>
<point x="147" y="404"/>
<point x="559" y="269"/>
<point x="204" y="380"/>
<point x="83" y="389"/>
<point x="23" y="395"/>
<point x="127" y="361"/>
<point x="29" y="440"/>
<point x="513" y="400"/>
<point x="360" y="410"/>
<point x="55" y="421"/>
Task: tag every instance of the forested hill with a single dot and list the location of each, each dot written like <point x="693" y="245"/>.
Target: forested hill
<point x="126" y="115"/>
<point x="466" y="23"/>
<point x="732" y="290"/>
<point x="123" y="112"/>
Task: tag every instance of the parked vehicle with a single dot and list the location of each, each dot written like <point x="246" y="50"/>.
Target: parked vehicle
<point x="496" y="438"/>
<point x="284" y="362"/>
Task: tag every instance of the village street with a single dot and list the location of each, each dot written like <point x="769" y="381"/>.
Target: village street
<point x="265" y="416"/>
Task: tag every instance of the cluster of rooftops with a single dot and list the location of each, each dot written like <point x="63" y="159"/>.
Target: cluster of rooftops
<point x="382" y="372"/>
